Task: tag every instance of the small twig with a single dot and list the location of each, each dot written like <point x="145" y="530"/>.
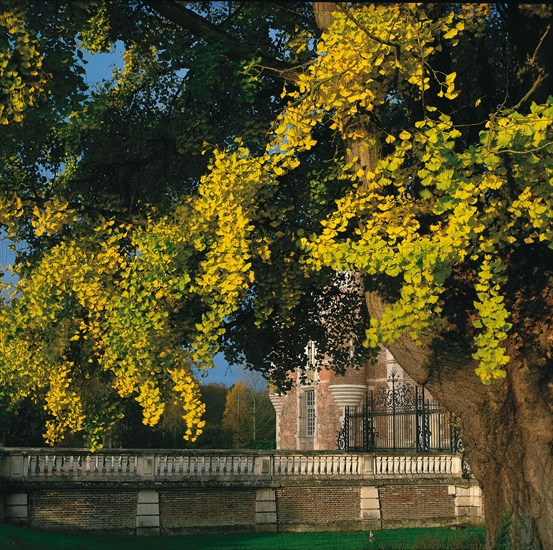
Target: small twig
<point x="513" y="152"/>
<point x="540" y="43"/>
<point x="541" y="73"/>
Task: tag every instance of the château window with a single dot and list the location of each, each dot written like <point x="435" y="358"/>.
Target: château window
<point x="307" y="413"/>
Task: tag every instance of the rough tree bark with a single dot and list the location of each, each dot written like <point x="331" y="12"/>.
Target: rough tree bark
<point x="507" y="426"/>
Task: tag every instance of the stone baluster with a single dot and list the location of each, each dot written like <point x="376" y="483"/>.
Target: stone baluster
<point x="135" y="468"/>
<point x="33" y="465"/>
<point x="290" y="465"/>
<point x="285" y="462"/>
<point x="199" y="465"/>
<point x="48" y="465"/>
<point x="213" y="465"/>
<point x="318" y="463"/>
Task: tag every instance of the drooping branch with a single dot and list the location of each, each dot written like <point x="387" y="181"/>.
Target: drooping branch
<point x="362" y="27"/>
<point x="177" y="12"/>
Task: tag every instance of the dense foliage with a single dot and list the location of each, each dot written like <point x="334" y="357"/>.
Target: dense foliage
<point x="145" y="242"/>
<point x="191" y="204"/>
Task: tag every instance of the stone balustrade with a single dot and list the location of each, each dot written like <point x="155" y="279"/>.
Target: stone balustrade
<point x="153" y="492"/>
<point x="27" y="465"/>
<point x="405" y="465"/>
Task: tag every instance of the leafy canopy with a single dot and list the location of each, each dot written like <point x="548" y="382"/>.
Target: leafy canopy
<point x="139" y="298"/>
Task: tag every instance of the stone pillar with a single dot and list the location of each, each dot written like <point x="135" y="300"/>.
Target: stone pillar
<point x="468" y="502"/>
<point x="146" y="466"/>
<point x="266" y="511"/>
<point x="262" y="466"/>
<point x="370" y="508"/>
<point x="147" y="513"/>
<point x="278" y="404"/>
<point x="16" y="510"/>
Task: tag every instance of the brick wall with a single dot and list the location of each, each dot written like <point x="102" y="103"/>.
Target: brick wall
<point x="304" y="507"/>
<point x="341" y="505"/>
<point x="289" y="421"/>
<point x="413" y="504"/>
<point x="328" y="421"/>
<point x="104" y="510"/>
<point x="204" y="508"/>
<point x="177" y="492"/>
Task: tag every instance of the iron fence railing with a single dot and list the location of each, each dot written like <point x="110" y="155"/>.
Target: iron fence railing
<point x="399" y="417"/>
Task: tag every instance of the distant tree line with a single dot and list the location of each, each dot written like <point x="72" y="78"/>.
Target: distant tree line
<point x="240" y="417"/>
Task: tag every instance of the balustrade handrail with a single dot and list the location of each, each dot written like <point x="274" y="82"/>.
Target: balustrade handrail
<point x="166" y="465"/>
<point x="199" y="452"/>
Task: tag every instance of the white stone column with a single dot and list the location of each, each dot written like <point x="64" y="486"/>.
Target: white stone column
<point x="147" y="513"/>
<point x="278" y="404"/>
<point x="266" y="519"/>
<point x="370" y="508"/>
<point x="16" y="509"/>
<point x="468" y="502"/>
<point x="347" y="395"/>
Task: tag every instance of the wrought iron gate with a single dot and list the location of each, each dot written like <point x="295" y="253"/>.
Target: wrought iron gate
<point x="399" y="417"/>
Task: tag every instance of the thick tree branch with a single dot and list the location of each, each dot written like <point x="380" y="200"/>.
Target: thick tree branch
<point x="176" y="12"/>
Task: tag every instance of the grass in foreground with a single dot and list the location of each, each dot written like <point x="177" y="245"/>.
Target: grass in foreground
<point x="17" y="538"/>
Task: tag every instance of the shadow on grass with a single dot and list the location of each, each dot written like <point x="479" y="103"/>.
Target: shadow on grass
<point x="17" y="538"/>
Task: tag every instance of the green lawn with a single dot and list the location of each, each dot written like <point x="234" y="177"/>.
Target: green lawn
<point x="419" y="539"/>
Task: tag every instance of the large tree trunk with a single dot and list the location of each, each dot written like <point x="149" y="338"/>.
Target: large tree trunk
<point x="507" y="427"/>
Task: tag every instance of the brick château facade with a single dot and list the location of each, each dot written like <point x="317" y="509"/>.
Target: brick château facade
<point x="311" y="414"/>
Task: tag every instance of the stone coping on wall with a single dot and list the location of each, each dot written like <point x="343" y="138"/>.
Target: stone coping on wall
<point x="50" y="451"/>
